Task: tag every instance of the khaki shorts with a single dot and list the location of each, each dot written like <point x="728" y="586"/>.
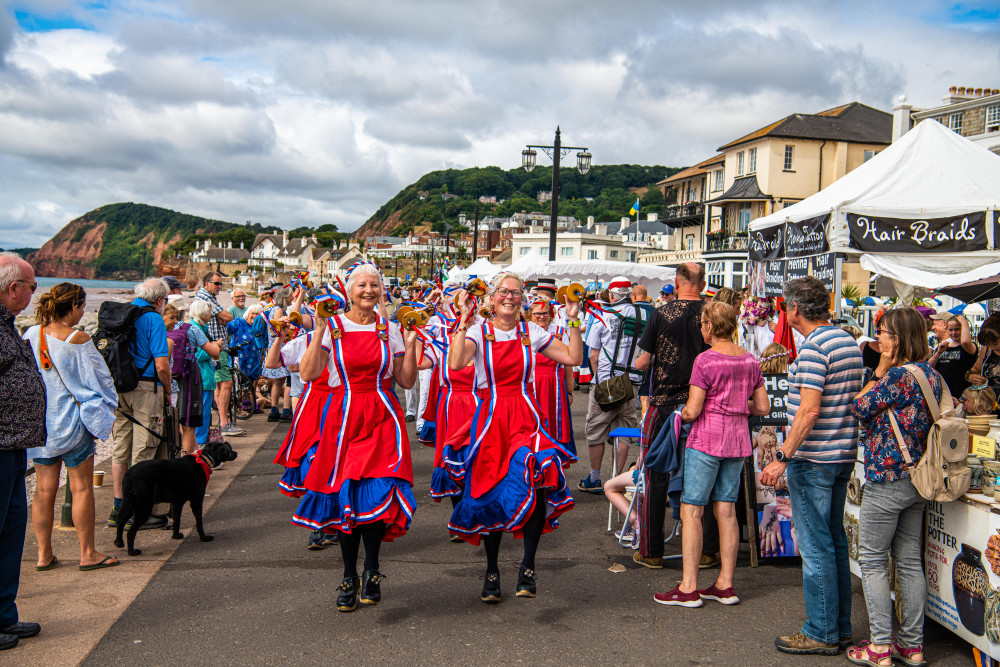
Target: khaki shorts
<point x="132" y="443"/>
<point x="601" y="423"/>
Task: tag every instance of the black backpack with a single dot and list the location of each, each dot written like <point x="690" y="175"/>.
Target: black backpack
<point x="113" y="339"/>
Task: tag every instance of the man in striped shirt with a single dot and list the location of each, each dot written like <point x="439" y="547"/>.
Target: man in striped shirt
<point x="819" y="454"/>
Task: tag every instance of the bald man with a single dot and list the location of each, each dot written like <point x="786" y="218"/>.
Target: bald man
<point x="639" y="294"/>
<point x="22" y="425"/>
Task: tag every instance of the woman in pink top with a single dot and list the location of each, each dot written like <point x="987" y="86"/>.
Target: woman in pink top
<point x="726" y="388"/>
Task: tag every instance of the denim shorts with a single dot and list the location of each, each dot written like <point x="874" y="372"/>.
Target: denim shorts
<point x="706" y="475"/>
<point x="73" y="457"/>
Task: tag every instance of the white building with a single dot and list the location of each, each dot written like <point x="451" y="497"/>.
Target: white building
<point x="270" y="250"/>
<point x="604" y="241"/>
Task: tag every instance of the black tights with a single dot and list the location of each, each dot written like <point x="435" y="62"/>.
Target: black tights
<point x="532" y="533"/>
<point x="350" y="543"/>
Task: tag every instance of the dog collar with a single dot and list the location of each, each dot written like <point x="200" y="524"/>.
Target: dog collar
<point x="205" y="465"/>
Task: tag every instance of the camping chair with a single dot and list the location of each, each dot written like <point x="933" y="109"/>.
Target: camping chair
<point x="616" y="436"/>
<point x="636" y="491"/>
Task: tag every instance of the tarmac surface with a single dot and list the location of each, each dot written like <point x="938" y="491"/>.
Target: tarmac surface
<point x="256" y="596"/>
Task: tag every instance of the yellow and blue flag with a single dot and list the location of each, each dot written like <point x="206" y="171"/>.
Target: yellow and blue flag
<point x="635" y="207"/>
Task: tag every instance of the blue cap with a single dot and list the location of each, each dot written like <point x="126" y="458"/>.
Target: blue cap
<point x="668" y="289"/>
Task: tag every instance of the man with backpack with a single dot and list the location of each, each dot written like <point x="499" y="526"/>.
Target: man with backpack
<point x="139" y="331"/>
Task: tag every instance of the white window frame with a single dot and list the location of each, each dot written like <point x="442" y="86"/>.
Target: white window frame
<point x="613" y="254"/>
<point x="752" y="161"/>
<point x="544" y="251"/>
<point x="566" y="251"/>
<point x="789" y="157"/>
<point x="739" y="163"/>
<point x="719" y="179"/>
<point x="716" y="273"/>
<point x="591" y="254"/>
<point x="743" y="214"/>
<point x="689" y="242"/>
<point x="993" y="118"/>
<point x="955" y="122"/>
<point x="523" y="250"/>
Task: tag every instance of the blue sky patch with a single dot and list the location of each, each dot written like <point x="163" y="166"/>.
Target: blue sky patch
<point x="33" y="22"/>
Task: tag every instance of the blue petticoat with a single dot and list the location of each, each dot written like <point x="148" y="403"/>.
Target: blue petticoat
<point x="427" y="434"/>
<point x="443" y="486"/>
<point x="367" y="500"/>
<point x="509" y="504"/>
<point x="293" y="481"/>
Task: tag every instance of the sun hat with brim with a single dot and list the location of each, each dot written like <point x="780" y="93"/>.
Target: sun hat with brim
<point x="546" y="284"/>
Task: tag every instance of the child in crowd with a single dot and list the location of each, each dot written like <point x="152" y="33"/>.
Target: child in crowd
<point x="979" y="400"/>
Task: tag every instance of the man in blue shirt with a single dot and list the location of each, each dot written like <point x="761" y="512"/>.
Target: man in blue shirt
<point x="144" y="403"/>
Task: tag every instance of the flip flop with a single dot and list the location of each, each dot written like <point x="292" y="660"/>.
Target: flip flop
<point x="103" y="563"/>
<point x="52" y="564"/>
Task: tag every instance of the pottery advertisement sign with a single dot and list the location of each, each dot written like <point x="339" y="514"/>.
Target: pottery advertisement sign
<point x="963" y="572"/>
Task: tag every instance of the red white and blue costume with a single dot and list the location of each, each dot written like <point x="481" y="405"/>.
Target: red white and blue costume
<point x="552" y="395"/>
<point x="502" y="457"/>
<point x="362" y="472"/>
<point x="303" y="437"/>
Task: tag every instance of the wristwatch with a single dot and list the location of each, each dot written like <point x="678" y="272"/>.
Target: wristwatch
<point x="780" y="457"/>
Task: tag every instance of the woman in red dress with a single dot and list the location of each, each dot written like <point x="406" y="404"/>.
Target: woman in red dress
<point x="509" y="467"/>
<point x="553" y="381"/>
<point x="360" y="480"/>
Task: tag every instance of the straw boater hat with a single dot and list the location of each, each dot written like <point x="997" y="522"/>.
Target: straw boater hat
<point x="546" y="284"/>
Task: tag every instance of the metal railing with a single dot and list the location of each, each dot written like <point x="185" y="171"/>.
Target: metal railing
<point x="721" y="243"/>
<point x="678" y="211"/>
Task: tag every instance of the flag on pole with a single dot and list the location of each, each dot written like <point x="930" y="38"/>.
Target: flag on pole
<point x="635" y="207"/>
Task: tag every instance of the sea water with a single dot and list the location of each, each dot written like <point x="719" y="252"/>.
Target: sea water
<point x="45" y="283"/>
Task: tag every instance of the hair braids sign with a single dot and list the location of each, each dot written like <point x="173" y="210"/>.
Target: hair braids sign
<point x="960" y="233"/>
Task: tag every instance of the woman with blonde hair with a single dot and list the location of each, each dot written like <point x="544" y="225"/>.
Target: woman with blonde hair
<point x="509" y="467"/>
<point x="80" y="404"/>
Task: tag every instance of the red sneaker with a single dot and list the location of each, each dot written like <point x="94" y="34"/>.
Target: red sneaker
<point x="725" y="595"/>
<point x="676" y="598"/>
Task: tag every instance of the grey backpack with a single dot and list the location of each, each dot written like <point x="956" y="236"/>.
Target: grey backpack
<point x="942" y="473"/>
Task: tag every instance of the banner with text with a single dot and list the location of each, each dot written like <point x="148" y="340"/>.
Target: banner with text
<point x="807" y="237"/>
<point x="774" y="277"/>
<point x="824" y="268"/>
<point x="767" y="243"/>
<point x="960" y="233"/>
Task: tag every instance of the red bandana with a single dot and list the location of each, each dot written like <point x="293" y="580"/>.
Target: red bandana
<point x="204" y="464"/>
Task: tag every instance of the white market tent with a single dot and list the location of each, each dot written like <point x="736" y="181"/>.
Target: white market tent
<point x="481" y="268"/>
<point x="930" y="180"/>
<point x="533" y="266"/>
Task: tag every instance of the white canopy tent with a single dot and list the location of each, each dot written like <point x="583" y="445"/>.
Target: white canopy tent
<point x="922" y="212"/>
<point x="481" y="268"/>
<point x="534" y="266"/>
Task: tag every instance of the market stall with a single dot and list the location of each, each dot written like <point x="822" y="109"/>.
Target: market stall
<point x="923" y="212"/>
<point x="533" y="266"/>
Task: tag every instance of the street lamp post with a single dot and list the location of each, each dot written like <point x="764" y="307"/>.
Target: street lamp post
<point x="475" y="235"/>
<point x="556" y="152"/>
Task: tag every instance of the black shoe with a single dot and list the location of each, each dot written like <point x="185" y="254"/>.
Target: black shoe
<point x="22" y="630"/>
<point x="491" y="588"/>
<point x="286" y="417"/>
<point x="330" y="538"/>
<point x="273" y="416"/>
<point x="526" y="583"/>
<point x="348" y="598"/>
<point x="455" y="539"/>
<point x="371" y="589"/>
<point x="315" y="542"/>
<point x="8" y="641"/>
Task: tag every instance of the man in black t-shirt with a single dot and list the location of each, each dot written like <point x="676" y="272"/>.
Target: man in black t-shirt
<point x="955" y="355"/>
<point x="671" y="341"/>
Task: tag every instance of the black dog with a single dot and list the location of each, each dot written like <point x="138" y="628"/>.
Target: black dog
<point x="174" y="481"/>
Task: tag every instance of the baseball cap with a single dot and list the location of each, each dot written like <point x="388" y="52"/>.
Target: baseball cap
<point x="942" y="316"/>
<point x="667" y="289"/>
<point x="172" y="283"/>
<point x="621" y="282"/>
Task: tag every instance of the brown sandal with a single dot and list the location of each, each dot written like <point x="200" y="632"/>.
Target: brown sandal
<point x="864" y="654"/>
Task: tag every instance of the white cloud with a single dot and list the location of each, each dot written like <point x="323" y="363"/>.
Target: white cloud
<point x="311" y="111"/>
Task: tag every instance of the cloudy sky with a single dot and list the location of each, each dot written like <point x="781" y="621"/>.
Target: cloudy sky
<point x="314" y="111"/>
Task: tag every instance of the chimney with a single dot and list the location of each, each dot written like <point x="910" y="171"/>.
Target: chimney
<point x="241" y="245"/>
<point x="230" y="246"/>
<point x="590" y="222"/>
<point x="901" y="121"/>
<point x="652" y="217"/>
<point x="602" y="230"/>
<point x="284" y="237"/>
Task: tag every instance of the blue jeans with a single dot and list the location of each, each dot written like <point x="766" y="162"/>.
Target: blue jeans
<point x="818" y="492"/>
<point x="201" y="432"/>
<point x="13" y="521"/>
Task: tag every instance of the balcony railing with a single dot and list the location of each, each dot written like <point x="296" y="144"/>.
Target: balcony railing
<point x="724" y="243"/>
<point x="679" y="211"/>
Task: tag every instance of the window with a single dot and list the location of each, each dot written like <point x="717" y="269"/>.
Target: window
<point x="522" y="251"/>
<point x="869" y="155"/>
<point x="753" y="161"/>
<point x="613" y="254"/>
<point x="591" y="254"/>
<point x="566" y="251"/>
<point x="789" y="151"/>
<point x="630" y="257"/>
<point x="544" y="250"/>
<point x="689" y="242"/>
<point x="739" y="275"/>
<point x="993" y="118"/>
<point x="743" y="220"/>
<point x="739" y="163"/>
<point x="955" y="122"/>
<point x="716" y="273"/>
<point x="718" y="179"/>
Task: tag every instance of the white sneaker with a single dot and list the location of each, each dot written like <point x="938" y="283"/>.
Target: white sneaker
<point x="232" y="429"/>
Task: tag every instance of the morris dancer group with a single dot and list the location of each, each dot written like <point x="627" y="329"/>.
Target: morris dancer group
<point x="498" y="418"/>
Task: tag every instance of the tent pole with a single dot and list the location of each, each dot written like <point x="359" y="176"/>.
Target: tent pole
<point x="838" y="284"/>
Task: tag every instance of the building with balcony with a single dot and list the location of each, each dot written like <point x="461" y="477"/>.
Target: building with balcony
<point x="270" y="251"/>
<point x="686" y="217"/>
<point x="972" y="112"/>
<point x="776" y="166"/>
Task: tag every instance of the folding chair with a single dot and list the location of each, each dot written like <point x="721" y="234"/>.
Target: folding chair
<point x="617" y="435"/>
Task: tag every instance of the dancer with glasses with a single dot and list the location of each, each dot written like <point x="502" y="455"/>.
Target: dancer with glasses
<point x="510" y="468"/>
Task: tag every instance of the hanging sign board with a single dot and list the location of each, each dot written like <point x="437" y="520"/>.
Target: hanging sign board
<point x="774" y="277"/>
<point x="796" y="268"/>
<point x="807" y="237"/>
<point x="766" y="243"/>
<point x="823" y="268"/>
<point x="960" y="233"/>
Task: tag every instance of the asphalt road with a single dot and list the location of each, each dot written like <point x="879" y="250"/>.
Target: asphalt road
<point x="256" y="596"/>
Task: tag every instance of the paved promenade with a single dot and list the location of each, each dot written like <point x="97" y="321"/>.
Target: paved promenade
<point x="256" y="596"/>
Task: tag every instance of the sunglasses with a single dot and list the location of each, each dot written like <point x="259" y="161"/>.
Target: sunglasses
<point x="881" y="331"/>
<point x="33" y="286"/>
<point x="214" y="282"/>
